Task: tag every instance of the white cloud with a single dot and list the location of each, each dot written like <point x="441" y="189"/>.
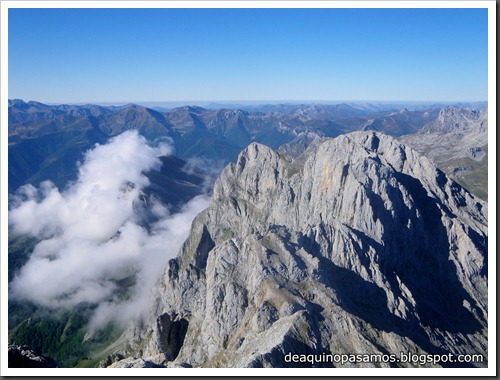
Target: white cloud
<point x="161" y="245"/>
<point x="91" y="234"/>
<point x="210" y="168"/>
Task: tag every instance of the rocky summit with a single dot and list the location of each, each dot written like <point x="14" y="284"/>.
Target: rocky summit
<point x="457" y="141"/>
<point x="360" y="246"/>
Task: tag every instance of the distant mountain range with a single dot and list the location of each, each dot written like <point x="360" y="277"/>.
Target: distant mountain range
<point x="45" y="141"/>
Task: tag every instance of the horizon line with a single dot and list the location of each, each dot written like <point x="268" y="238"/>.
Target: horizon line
<point x="158" y="103"/>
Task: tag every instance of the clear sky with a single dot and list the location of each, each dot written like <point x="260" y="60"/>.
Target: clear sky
<point x="139" y="55"/>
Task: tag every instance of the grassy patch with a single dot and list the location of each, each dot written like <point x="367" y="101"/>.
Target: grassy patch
<point x="473" y="177"/>
<point x="62" y="336"/>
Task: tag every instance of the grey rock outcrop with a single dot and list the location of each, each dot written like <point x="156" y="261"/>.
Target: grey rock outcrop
<point x="457" y="141"/>
<point x="25" y="357"/>
<point x="134" y="363"/>
<point x="457" y="119"/>
<point x="365" y="248"/>
<point x="454" y="133"/>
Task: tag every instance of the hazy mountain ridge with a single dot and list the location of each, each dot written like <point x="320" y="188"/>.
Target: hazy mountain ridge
<point x="20" y="111"/>
<point x="46" y="140"/>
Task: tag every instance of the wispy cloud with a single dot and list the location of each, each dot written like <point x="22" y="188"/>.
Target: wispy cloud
<point x="91" y="234"/>
<point x="210" y="168"/>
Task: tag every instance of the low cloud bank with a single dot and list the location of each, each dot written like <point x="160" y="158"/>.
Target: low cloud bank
<point x="91" y="235"/>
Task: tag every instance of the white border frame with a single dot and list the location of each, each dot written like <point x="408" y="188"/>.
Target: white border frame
<point x="490" y="371"/>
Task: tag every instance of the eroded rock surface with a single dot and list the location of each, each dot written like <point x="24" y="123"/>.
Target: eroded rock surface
<point x="366" y="247"/>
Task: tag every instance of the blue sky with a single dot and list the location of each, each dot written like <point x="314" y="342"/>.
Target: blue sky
<point x="140" y="55"/>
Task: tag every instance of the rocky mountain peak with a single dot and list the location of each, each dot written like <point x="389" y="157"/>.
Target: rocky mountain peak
<point x="363" y="247"/>
<point x="458" y="120"/>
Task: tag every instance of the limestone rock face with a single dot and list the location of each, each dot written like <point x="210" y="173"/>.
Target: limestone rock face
<point x="134" y="363"/>
<point x="457" y="141"/>
<point x="455" y="134"/>
<point x="459" y="119"/>
<point x="366" y="247"/>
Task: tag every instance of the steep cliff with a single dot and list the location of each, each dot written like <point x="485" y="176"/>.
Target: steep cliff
<point x="363" y="248"/>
